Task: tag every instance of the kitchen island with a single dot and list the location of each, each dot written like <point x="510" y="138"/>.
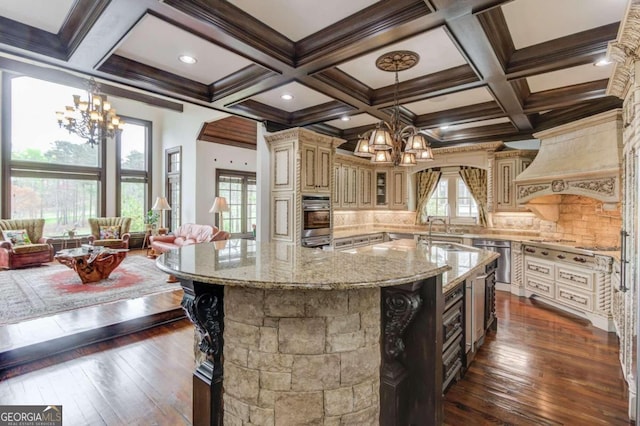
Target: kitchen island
<point x="313" y="336"/>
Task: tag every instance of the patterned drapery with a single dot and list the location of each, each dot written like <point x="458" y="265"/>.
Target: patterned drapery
<point x="476" y="181"/>
<point x="426" y="181"/>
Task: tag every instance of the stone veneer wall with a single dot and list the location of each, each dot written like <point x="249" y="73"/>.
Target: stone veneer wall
<point x="582" y="220"/>
<point x="301" y="357"/>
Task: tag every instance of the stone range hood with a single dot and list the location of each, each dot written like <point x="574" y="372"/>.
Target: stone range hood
<point x="579" y="158"/>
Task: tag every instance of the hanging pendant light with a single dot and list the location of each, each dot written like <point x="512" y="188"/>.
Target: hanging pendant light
<point x="390" y="142"/>
<point x="362" y="149"/>
<point x="382" y="157"/>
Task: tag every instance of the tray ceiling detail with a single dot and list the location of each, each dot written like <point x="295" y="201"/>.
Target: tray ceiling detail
<point x="489" y="69"/>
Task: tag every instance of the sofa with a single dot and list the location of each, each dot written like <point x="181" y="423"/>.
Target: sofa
<point x="112" y="232"/>
<point x="22" y="243"/>
<point x="186" y="234"/>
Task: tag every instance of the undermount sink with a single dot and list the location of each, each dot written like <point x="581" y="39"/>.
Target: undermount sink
<point x="446" y="246"/>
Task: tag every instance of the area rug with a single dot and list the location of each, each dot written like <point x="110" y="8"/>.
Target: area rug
<point x="53" y="288"/>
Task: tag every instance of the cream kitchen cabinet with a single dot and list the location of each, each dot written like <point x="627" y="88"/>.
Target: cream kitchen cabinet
<point x="358" y="185"/>
<point x="337" y="186"/>
<point x="398" y="191"/>
<point x="508" y="165"/>
<point x="353" y="183"/>
<point x="578" y="282"/>
<point x="301" y="163"/>
<point x="349" y="186"/>
<point x="391" y="188"/>
<point x="365" y="187"/>
<point x="382" y="188"/>
<point x="316" y="168"/>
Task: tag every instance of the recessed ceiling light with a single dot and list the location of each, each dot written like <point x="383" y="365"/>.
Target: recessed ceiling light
<point x="345" y="118"/>
<point x="287" y="97"/>
<point x="187" y="59"/>
<point x="445" y="127"/>
<point x="602" y="62"/>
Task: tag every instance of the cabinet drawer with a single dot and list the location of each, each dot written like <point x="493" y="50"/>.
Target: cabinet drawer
<point x="539" y="285"/>
<point x="575" y="277"/>
<point x="343" y="243"/>
<point x="452" y="323"/>
<point x="452" y="297"/>
<point x="360" y="241"/>
<point x="452" y="362"/>
<point x="375" y="239"/>
<point x="539" y="267"/>
<point x="575" y="298"/>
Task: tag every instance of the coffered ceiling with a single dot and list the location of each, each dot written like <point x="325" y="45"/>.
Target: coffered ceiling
<point x="488" y="69"/>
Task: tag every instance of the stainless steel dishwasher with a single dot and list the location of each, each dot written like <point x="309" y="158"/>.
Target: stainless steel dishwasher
<point x="503" y="273"/>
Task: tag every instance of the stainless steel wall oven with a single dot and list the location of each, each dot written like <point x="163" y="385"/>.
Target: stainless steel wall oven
<point x="316" y="220"/>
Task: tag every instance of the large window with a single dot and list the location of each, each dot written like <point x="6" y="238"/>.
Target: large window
<point x="58" y="176"/>
<point x="173" y="160"/>
<point x="239" y="188"/>
<point x="134" y="171"/>
<point x="452" y="199"/>
<point x="53" y="175"/>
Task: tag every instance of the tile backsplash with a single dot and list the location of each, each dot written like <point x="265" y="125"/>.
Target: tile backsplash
<point x="581" y="220"/>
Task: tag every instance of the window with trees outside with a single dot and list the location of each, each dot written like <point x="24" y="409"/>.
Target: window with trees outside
<point x="134" y="169"/>
<point x="173" y="179"/>
<point x="452" y="199"/>
<point x="239" y="188"/>
<point x="54" y="175"/>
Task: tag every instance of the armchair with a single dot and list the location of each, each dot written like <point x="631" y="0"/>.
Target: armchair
<point x="30" y="252"/>
<point x="112" y="232"/>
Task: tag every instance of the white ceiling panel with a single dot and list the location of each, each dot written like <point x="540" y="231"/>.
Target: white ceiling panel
<point x="437" y="53"/>
<point x="303" y="97"/>
<point x="354" y="121"/>
<point x="301" y="18"/>
<point x="568" y="77"/>
<point x="453" y="100"/>
<point x="157" y="43"/>
<point x="46" y="15"/>
<point x="532" y="22"/>
<point x="473" y="124"/>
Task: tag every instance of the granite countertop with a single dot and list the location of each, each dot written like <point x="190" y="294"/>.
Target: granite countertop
<point x="463" y="260"/>
<point x="518" y="237"/>
<point x="274" y="265"/>
<point x="285" y="266"/>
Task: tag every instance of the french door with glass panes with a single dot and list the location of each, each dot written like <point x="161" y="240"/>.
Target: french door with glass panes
<point x="239" y="188"/>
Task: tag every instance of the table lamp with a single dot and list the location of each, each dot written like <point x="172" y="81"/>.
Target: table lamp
<point x="219" y="205"/>
<point x="161" y="204"/>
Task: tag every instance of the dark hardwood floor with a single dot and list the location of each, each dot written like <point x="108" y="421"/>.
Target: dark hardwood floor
<point x="34" y="339"/>
<point x="541" y="368"/>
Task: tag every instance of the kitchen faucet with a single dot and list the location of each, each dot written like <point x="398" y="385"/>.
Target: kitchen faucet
<point x="430" y="220"/>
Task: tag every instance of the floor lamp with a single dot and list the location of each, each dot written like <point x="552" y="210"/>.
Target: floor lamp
<point x="219" y="205"/>
<point x="161" y="204"/>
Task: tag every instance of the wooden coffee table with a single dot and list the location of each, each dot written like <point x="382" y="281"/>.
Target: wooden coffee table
<point x="92" y="265"/>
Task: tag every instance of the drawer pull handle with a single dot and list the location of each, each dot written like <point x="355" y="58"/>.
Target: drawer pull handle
<point x="544" y="253"/>
<point x="580" y="259"/>
<point x="561" y="256"/>
<point x="529" y="250"/>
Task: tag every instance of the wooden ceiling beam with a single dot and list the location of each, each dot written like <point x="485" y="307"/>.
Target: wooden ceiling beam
<point x="573" y="50"/>
<point x="477" y="112"/>
<point x="565" y="96"/>
<point x="470" y="35"/>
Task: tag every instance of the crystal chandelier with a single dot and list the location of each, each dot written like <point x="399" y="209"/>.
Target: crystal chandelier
<point x="94" y="119"/>
<point x="391" y="142"/>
